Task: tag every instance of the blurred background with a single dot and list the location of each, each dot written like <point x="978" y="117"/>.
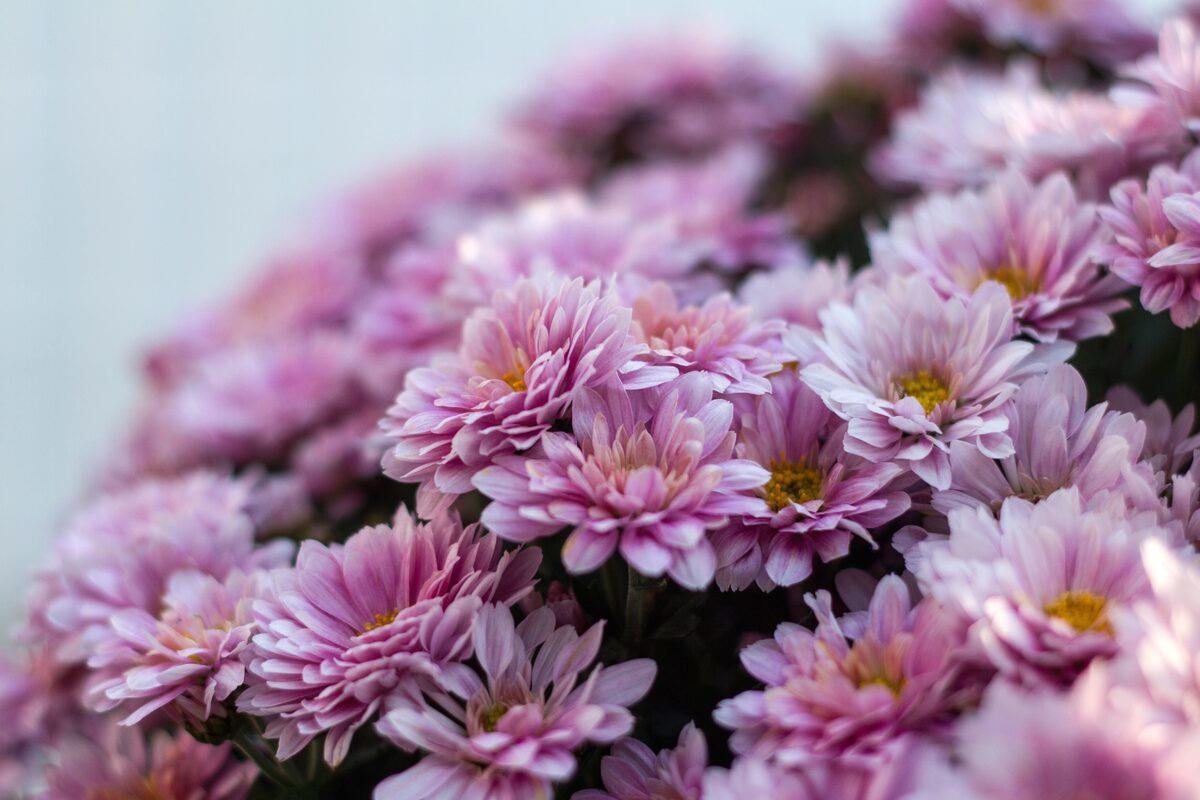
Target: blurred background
<point x="150" y="153"/>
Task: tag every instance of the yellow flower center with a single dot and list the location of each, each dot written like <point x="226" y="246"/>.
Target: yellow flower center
<point x="1083" y="611"/>
<point x="1017" y="282"/>
<point x="925" y="388"/>
<point x="791" y="482"/>
<point x="871" y="664"/>
<point x="515" y="379"/>
<point x="380" y="620"/>
<point x="894" y="684"/>
<point x="491" y="716"/>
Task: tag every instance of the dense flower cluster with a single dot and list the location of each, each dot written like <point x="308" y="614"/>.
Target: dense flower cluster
<point x="763" y="438"/>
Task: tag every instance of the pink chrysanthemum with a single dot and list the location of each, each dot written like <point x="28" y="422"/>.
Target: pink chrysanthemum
<point x="121" y="551"/>
<point x="970" y="127"/>
<point x="853" y="687"/>
<point x="523" y="361"/>
<point x="1038" y="586"/>
<point x="797" y="294"/>
<point x="817" y="499"/>
<point x="1170" y="439"/>
<point x="676" y="95"/>
<point x="1058" y="442"/>
<point x="1156" y="231"/>
<point x="720" y="340"/>
<point x="1174" y="71"/>
<point x="913" y="372"/>
<point x="511" y="732"/>
<point x="349" y="623"/>
<point x="188" y="657"/>
<point x="634" y="772"/>
<point x="117" y="762"/>
<point x="1035" y="240"/>
<point x="649" y="474"/>
<point x="1101" y="30"/>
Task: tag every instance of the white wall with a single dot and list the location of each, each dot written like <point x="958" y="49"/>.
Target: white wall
<point x="149" y="151"/>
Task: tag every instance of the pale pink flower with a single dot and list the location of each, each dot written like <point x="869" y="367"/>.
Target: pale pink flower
<point x="1100" y="30"/>
<point x="853" y="687"/>
<point x="650" y="474"/>
<point x="1034" y="239"/>
<point x="1170" y="439"/>
<point x="524" y="360"/>
<point x="509" y="730"/>
<point x="795" y="293"/>
<point x="913" y="372"/>
<point x="187" y="658"/>
<point x="350" y="623"/>
<point x="634" y="772"/>
<point x="1173" y="73"/>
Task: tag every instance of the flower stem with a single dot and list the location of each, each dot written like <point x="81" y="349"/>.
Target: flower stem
<point x="249" y="741"/>
<point x="635" y="608"/>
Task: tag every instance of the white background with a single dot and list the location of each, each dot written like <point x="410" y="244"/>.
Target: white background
<point x="149" y="151"/>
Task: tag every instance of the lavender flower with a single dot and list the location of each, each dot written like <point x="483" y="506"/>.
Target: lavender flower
<point x="634" y="772"/>
<point x="797" y="293"/>
<point x="649" y="474"/>
<point x="350" y="623"/>
<point x="512" y="731"/>
<point x="1173" y="73"/>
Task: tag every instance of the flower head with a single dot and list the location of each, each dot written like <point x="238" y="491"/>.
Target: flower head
<point x="818" y="496"/>
<point x="1101" y="30"/>
<point x="1039" y="585"/>
<point x="913" y="372"/>
<point x="634" y="772"/>
<point x="1035" y="240"/>
<point x="1156" y="238"/>
<point x="852" y="687"/>
<point x="350" y="623"/>
<point x="797" y="293"/>
<point x="648" y="473"/>
<point x="1173" y="73"/>
<point x="510" y="729"/>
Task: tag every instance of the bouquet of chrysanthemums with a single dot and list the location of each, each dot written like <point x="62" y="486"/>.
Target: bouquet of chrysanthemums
<point x="713" y="433"/>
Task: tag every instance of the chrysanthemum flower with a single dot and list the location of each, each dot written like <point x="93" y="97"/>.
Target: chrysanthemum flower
<point x="349" y="623"/>
<point x="970" y="127"/>
<point x="121" y="550"/>
<point x="853" y="687"/>
<point x="1039" y="585"/>
<point x="720" y="339"/>
<point x="1174" y="71"/>
<point x="1058" y="442"/>
<point x="1035" y="240"/>
<point x="634" y="772"/>
<point x="913" y="372"/>
<point x="188" y="657"/>
<point x="655" y="96"/>
<point x="523" y="361"/>
<point x="817" y="499"/>
<point x="649" y="474"/>
<point x="510" y="730"/>
<point x="1156" y="232"/>
<point x="1170" y="439"/>
<point x="1100" y="30"/>
<point x="116" y="762"/>
<point x="797" y="294"/>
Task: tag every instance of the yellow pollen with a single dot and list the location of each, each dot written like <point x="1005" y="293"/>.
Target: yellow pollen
<point x="895" y="685"/>
<point x="380" y="620"/>
<point x="791" y="482"/>
<point x="1018" y="283"/>
<point x="491" y="715"/>
<point x="515" y="379"/>
<point x="1083" y="611"/>
<point x="929" y="391"/>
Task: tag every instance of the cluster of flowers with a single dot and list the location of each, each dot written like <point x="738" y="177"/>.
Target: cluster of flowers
<point x="548" y="468"/>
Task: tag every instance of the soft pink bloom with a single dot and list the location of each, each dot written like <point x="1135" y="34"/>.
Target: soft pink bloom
<point x="38" y="703"/>
<point x="1170" y="439"/>
<point x="1035" y="239"/>
<point x="1039" y="585"/>
<point x="650" y="474"/>
<point x="1058" y="442"/>
<point x="818" y="497"/>
<point x="121" y="550"/>
<point x="1156" y="232"/>
<point x="117" y="762"/>
<point x="188" y="657"/>
<point x="853" y="687"/>
<point x="509" y="730"/>
<point x="970" y="127"/>
<point x="1174" y="71"/>
<point x="1100" y="30"/>
<point x="634" y="772"/>
<point x="658" y="95"/>
<point x="913" y="372"/>
<point x="524" y="360"/>
<point x="720" y="339"/>
<point x="561" y="601"/>
<point x="795" y="293"/>
<point x="350" y="623"/>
